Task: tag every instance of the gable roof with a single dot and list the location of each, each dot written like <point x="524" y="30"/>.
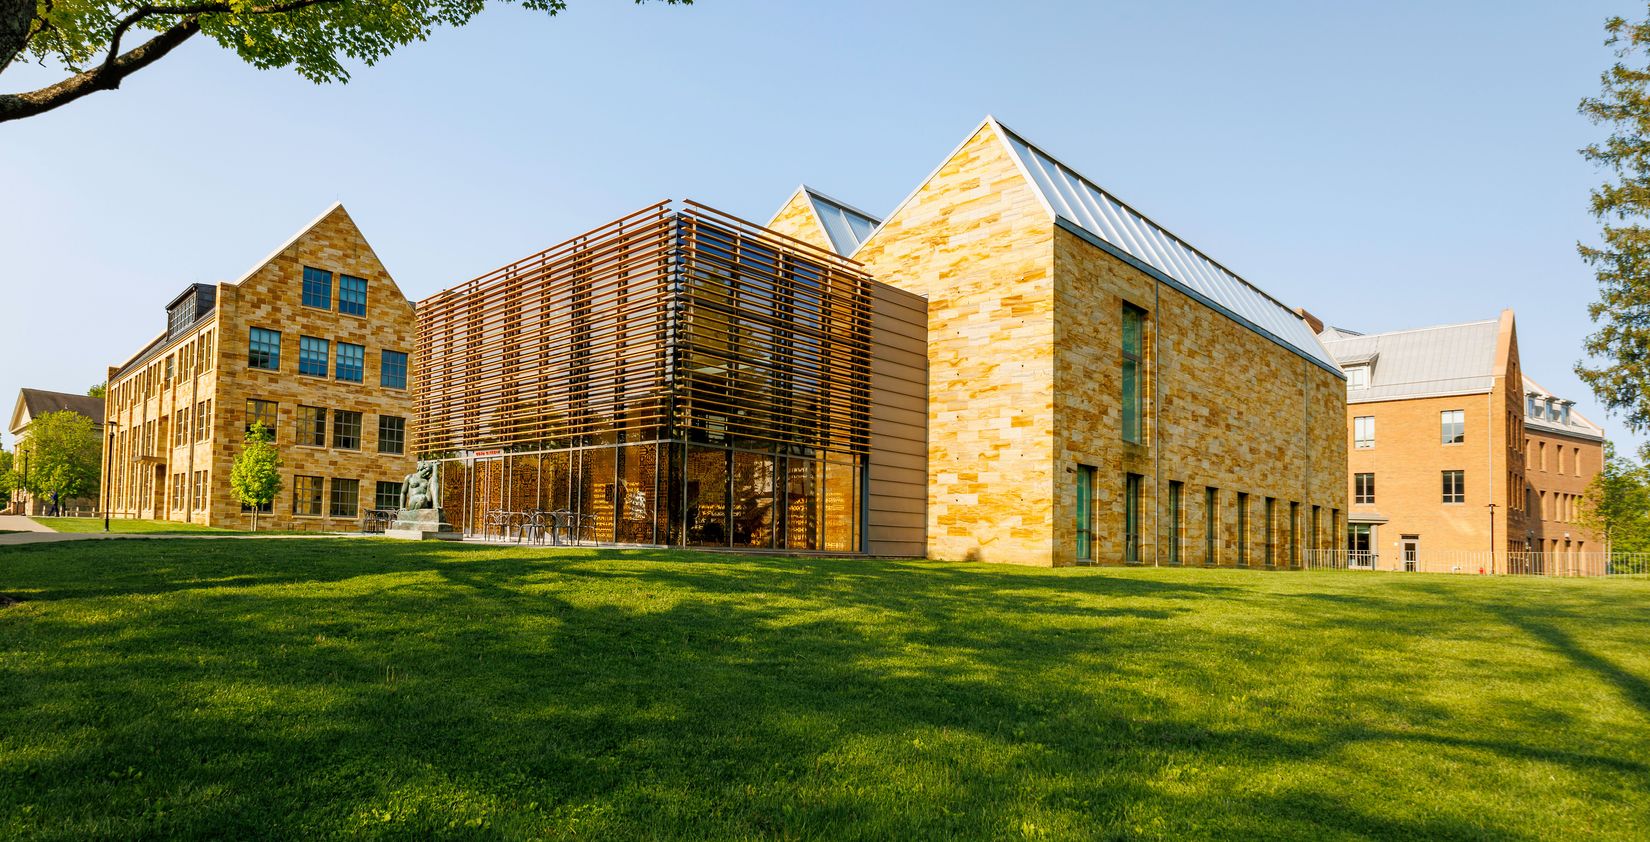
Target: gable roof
<point x="33" y="403"/>
<point x="1422" y="362"/>
<point x="845" y="226"/>
<point x="1578" y="424"/>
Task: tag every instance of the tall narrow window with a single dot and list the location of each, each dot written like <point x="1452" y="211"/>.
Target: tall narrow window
<point x="352" y="295"/>
<point x="1271" y="536"/>
<point x="392" y="370"/>
<point x="1175" y="490"/>
<point x="1454" y="426"/>
<point x="263" y="349"/>
<point x="1317" y="512"/>
<point x="1363" y="432"/>
<point x="317" y="288"/>
<point x="1133" y="321"/>
<point x="312" y="356"/>
<point x="1211" y="526"/>
<point x="1455" y="486"/>
<point x="1131" y="518"/>
<point x="1085" y="512"/>
<point x="1363" y="488"/>
<point x="352" y="361"/>
<point x="1243" y="529"/>
<point x="1294" y="534"/>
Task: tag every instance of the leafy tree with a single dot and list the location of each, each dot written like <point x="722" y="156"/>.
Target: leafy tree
<point x="99" y="390"/>
<point x="1616" y="504"/>
<point x="93" y="40"/>
<point x="8" y="480"/>
<point x="63" y="454"/>
<point x="1621" y="262"/>
<point x="256" y="475"/>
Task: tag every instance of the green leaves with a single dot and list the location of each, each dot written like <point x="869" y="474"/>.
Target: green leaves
<point x="255" y="476"/>
<point x="61" y="454"/>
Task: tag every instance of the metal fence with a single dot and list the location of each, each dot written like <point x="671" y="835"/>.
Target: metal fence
<point x="1483" y="562"/>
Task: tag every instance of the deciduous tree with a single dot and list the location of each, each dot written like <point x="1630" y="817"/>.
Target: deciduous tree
<point x="1616" y="504"/>
<point x="101" y="42"/>
<point x="63" y="456"/>
<point x="255" y="476"/>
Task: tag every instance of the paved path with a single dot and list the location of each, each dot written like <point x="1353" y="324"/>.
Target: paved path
<point x="37" y="534"/>
<point x="18" y="523"/>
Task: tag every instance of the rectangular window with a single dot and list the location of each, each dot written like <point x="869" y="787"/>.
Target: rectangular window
<point x="198" y="499"/>
<point x="352" y="295"/>
<point x="1363" y="488"/>
<point x="1243" y="529"/>
<point x="312" y="356"/>
<point x="1271" y="535"/>
<point x="317" y="288"/>
<point x="1454" y="426"/>
<point x="346" y="429"/>
<point x="1175" y="489"/>
<point x="306" y="496"/>
<point x="1085" y="512"/>
<point x="266" y="508"/>
<point x="1131" y="518"/>
<point x="388" y="496"/>
<point x="392" y="434"/>
<point x="1133" y="320"/>
<point x="352" y="360"/>
<point x="1357" y="377"/>
<point x="312" y="427"/>
<point x="346" y="497"/>
<point x="392" y="370"/>
<point x="1317" y="516"/>
<point x="1294" y="534"/>
<point x="263" y="349"/>
<point x="1360" y="548"/>
<point x="203" y="420"/>
<point x="261" y="412"/>
<point x="1455" y="486"/>
<point x="1211" y="526"/>
<point x="1363" y="432"/>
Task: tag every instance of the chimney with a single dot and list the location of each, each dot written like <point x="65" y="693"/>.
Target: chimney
<point x="1311" y="321"/>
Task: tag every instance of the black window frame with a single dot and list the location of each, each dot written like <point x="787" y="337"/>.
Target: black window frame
<point x="356" y="373"/>
<point x="311" y="283"/>
<point x="395" y="431"/>
<point x="340" y="505"/>
<point x="346" y="427"/>
<point x="309" y="365"/>
<point x="260" y="354"/>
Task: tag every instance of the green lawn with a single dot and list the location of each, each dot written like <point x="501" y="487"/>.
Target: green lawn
<point x="300" y="689"/>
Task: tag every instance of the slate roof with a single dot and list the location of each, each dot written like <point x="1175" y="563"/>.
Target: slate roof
<point x="1422" y="362"/>
<point x="33" y="403"/>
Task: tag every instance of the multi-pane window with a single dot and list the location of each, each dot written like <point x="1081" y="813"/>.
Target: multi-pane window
<point x="1455" y="486"/>
<point x="1363" y="432"/>
<point x="352" y="361"/>
<point x="346" y="429"/>
<point x="1085" y="512"/>
<point x="261" y="412"/>
<point x="392" y="434"/>
<point x="306" y="496"/>
<point x="1133" y="320"/>
<point x="1175" y="489"/>
<point x="346" y="497"/>
<point x="392" y="370"/>
<point x="317" y="288"/>
<point x="352" y="295"/>
<point x="263" y="508"/>
<point x="1454" y="426"/>
<point x="1363" y="488"/>
<point x="263" y="349"/>
<point x="1131" y="518"/>
<point x="197" y="500"/>
<point x="203" y="420"/>
<point x="312" y="426"/>
<point x="1243" y="529"/>
<point x="312" y="356"/>
<point x="1211" y="526"/>
<point x="1357" y="377"/>
<point x="388" y="496"/>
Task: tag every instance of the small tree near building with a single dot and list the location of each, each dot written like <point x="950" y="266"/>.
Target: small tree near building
<point x="1616" y="504"/>
<point x="8" y="481"/>
<point x="63" y="454"/>
<point x="100" y="390"/>
<point x="256" y="475"/>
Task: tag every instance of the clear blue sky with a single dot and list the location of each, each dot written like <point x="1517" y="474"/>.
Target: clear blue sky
<point x="1384" y="165"/>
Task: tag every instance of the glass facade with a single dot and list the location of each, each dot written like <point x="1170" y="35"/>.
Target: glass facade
<point x="676" y="378"/>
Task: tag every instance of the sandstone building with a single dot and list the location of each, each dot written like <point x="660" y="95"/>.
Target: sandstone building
<point x="31" y="404"/>
<point x="1457" y="461"/>
<point x="316" y="342"/>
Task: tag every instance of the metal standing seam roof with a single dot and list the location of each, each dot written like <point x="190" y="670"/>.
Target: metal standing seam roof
<point x="846" y="225"/>
<point x="1422" y="362"/>
<point x="1579" y="424"/>
<point x="1082" y="203"/>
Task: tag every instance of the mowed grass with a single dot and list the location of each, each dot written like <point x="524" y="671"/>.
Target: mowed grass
<point x="304" y="689"/>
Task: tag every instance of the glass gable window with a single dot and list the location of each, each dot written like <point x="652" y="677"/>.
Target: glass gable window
<point x="1131" y="518"/>
<point x="306" y="496"/>
<point x="263" y="349"/>
<point x="392" y="434"/>
<point x="1363" y="488"/>
<point x="1133" y="320"/>
<point x="346" y="497"/>
<point x="1454" y="426"/>
<point x="352" y="295"/>
<point x="312" y="356"/>
<point x="352" y="360"/>
<point x="392" y="370"/>
<point x="317" y="288"/>
<point x="346" y="429"/>
<point x="1085" y="512"/>
<point x="312" y="427"/>
<point x="1455" y="486"/>
<point x="1363" y="432"/>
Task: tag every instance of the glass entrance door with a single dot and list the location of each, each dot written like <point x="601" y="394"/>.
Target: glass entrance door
<point x="1411" y="549"/>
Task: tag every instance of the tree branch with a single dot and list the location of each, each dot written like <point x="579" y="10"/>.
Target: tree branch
<point x="16" y="18"/>
<point x="104" y="77"/>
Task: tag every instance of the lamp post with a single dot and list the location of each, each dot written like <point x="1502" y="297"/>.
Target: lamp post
<point x="108" y="463"/>
<point x="1491" y="507"/>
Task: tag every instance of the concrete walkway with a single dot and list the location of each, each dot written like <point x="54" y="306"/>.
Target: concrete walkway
<point x="29" y="532"/>
<point x="18" y="523"/>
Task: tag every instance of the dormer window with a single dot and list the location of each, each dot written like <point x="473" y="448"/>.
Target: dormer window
<point x="1552" y="409"/>
<point x="1357" y="377"/>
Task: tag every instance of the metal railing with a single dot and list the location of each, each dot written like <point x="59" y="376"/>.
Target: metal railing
<point x="1481" y="562"/>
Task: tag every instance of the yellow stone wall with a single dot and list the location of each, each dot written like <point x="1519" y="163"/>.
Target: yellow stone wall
<point x="271" y="297"/>
<point x="798" y="219"/>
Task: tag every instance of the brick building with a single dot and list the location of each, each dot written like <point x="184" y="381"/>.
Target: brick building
<point x="1457" y="462"/>
<point x="315" y="341"/>
<point x="1084" y="403"/>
